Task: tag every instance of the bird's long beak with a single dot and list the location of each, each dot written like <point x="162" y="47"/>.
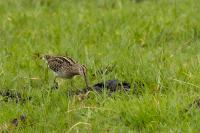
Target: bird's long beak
<point x="86" y="80"/>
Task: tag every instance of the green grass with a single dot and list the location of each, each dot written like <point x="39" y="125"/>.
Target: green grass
<point x="156" y="42"/>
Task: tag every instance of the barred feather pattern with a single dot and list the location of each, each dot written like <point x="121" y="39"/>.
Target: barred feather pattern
<point x="65" y="67"/>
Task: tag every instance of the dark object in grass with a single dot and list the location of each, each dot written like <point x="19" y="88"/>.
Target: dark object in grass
<point x="13" y="95"/>
<point x="16" y="121"/>
<point x="195" y="104"/>
<point x="112" y="86"/>
<point x="23" y="117"/>
<point x="109" y="85"/>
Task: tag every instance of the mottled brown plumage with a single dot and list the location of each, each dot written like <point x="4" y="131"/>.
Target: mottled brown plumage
<point x="65" y="67"/>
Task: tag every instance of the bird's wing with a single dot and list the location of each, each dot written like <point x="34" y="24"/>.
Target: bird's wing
<point x="60" y="63"/>
<point x="55" y="64"/>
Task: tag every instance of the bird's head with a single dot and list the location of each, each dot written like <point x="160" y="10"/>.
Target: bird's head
<point x="82" y="70"/>
<point x="46" y="57"/>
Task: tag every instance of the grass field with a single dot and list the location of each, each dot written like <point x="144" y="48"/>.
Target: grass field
<point x="156" y="42"/>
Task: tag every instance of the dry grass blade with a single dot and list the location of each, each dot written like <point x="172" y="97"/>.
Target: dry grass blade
<point x="33" y="78"/>
<point x="187" y="83"/>
<point x="79" y="123"/>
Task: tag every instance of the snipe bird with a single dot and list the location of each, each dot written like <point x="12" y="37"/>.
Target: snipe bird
<point x="66" y="67"/>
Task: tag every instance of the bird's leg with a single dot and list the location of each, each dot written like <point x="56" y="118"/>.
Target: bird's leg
<point x="55" y="84"/>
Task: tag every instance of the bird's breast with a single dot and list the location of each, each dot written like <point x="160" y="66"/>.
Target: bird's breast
<point x="63" y="75"/>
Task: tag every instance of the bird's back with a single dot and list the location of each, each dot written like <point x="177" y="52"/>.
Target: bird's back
<point x="63" y="66"/>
